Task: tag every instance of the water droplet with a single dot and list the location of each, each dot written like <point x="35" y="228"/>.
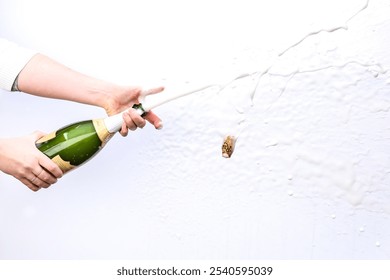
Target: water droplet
<point x="290" y="193"/>
<point x="178" y="236"/>
<point x="361" y="229"/>
<point x="333" y="216"/>
<point x="377" y="244"/>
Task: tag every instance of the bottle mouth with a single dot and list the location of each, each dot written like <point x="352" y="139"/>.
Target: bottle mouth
<point x="140" y="110"/>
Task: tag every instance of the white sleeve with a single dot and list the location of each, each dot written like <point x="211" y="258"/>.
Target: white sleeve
<point x="13" y="58"/>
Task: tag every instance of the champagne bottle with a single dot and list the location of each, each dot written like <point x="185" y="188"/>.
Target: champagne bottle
<point x="74" y="144"/>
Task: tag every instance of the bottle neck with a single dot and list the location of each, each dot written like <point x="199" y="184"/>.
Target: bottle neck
<point x="114" y="122"/>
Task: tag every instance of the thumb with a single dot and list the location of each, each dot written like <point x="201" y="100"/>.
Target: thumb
<point x="147" y="92"/>
<point x="36" y="135"/>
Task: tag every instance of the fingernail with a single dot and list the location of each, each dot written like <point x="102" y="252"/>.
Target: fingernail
<point x="160" y="126"/>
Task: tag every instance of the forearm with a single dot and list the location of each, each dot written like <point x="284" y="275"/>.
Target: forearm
<point x="45" y="77"/>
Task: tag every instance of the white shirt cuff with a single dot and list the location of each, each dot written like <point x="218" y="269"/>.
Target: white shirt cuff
<point x="13" y="58"/>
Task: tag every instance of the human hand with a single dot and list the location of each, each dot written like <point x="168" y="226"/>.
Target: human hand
<point x="20" y="158"/>
<point x="125" y="97"/>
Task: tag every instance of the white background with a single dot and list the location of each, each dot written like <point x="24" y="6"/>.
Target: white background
<point x="310" y="175"/>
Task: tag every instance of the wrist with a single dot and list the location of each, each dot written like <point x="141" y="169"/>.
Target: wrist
<point x="101" y="95"/>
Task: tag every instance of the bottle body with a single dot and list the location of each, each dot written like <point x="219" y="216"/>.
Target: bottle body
<point x="74" y="144"/>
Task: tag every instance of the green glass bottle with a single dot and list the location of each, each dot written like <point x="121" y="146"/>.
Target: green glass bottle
<point x="74" y="144"/>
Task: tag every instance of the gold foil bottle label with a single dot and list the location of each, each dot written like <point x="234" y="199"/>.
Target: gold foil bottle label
<point x="64" y="165"/>
<point x="47" y="137"/>
<point x="101" y="130"/>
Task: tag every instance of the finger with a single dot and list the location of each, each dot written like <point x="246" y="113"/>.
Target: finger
<point x="133" y="119"/>
<point x="154" y="120"/>
<point x="38" y="134"/>
<point x="152" y="91"/>
<point x="47" y="164"/>
<point x="124" y="131"/>
<point x="51" y="170"/>
<point x="38" y="182"/>
<point x="129" y="123"/>
<point x="46" y="177"/>
<point x="30" y="185"/>
<point x="137" y="119"/>
<point x="147" y="92"/>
